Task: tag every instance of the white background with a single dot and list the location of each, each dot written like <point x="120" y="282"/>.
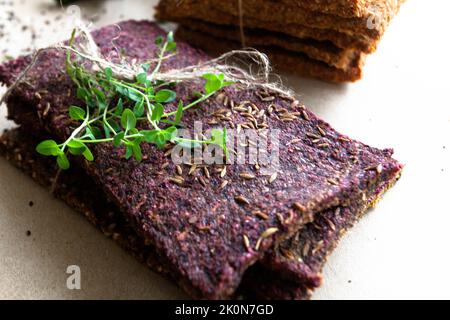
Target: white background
<point x="400" y="250"/>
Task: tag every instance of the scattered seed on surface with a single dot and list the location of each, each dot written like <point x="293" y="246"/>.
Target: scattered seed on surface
<point x="168" y="152"/>
<point x="323" y="145"/>
<point x="305" y="249"/>
<point x="223" y="184"/>
<point x="192" y="169"/>
<point x="163" y="166"/>
<point x="318" y="247"/>
<point x="202" y="181"/>
<point x="321" y="131"/>
<point x="299" y="207"/>
<point x="47" y="109"/>
<point x="260" y="214"/>
<point x="379" y="168"/>
<point x="177" y="180"/>
<point x="269" y="232"/>
<point x="241" y="199"/>
<point x="287" y="254"/>
<point x="305" y="115"/>
<point x="258" y="244"/>
<point x="206" y="172"/>
<point x="294" y="141"/>
<point x="333" y="182"/>
<point x="273" y="177"/>
<point x="331" y="224"/>
<point x="247" y="176"/>
<point x="246" y="242"/>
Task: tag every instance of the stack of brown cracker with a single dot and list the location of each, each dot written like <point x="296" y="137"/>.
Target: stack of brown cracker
<point x="322" y="39"/>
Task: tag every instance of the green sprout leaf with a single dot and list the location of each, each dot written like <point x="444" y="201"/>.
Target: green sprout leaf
<point x="219" y="138"/>
<point x="145" y="67"/>
<point x="128" y="151"/>
<point x="171" y="46"/>
<point x="165" y="96"/>
<point x="76" y="147"/>
<point x="159" y="40"/>
<point x="170" y="38"/>
<point x="170" y="133"/>
<point x="141" y="78"/>
<point x="108" y="73"/>
<point x="188" y="144"/>
<point x="213" y="83"/>
<point x="114" y="125"/>
<point x="83" y="94"/>
<point x="128" y="120"/>
<point x="48" y="148"/>
<point x="157" y="112"/>
<point x="119" y="107"/>
<point x="149" y="135"/>
<point x="179" y="113"/>
<point x="137" y="152"/>
<point x="159" y="137"/>
<point x="93" y="133"/>
<point x="138" y="109"/>
<point x="107" y="131"/>
<point x="118" y="139"/>
<point x="88" y="154"/>
<point x="62" y="161"/>
<point x="76" y="113"/>
<point x="128" y="93"/>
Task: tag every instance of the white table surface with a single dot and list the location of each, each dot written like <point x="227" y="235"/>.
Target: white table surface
<point x="400" y="250"/>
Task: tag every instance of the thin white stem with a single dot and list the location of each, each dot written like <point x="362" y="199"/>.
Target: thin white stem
<point x="77" y="130"/>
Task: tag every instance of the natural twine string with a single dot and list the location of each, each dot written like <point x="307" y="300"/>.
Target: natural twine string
<point x="230" y="64"/>
<point x="241" y="24"/>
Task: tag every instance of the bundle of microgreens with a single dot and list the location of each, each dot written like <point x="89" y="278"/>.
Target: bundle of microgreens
<point x="116" y="108"/>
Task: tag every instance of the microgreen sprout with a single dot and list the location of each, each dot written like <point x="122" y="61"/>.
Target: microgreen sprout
<point x="128" y="113"/>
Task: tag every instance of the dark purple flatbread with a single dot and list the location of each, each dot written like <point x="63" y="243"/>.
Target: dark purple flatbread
<point x="302" y="251"/>
<point x="197" y="228"/>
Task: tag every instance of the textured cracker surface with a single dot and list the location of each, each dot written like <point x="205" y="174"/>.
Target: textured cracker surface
<point x="214" y="267"/>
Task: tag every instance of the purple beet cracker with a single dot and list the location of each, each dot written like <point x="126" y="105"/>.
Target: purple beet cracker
<point x="196" y="226"/>
<point x="302" y="253"/>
